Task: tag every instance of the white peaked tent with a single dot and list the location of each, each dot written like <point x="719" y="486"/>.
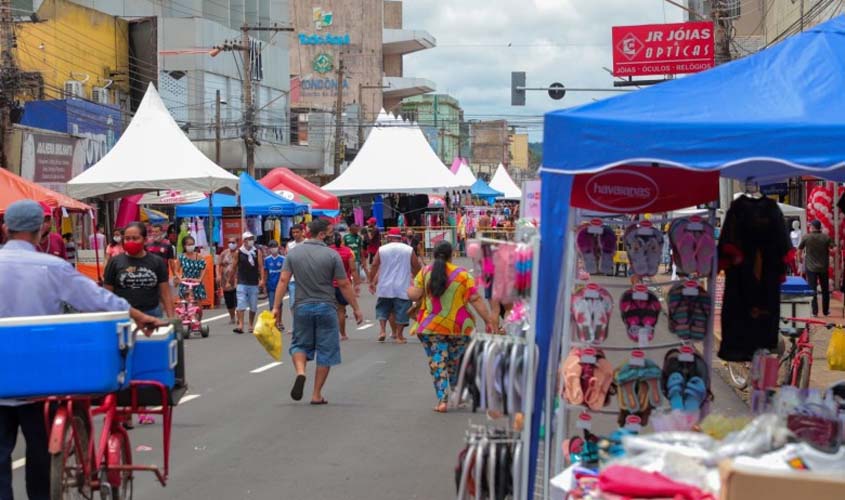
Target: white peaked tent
<point x="501" y="181"/>
<point x="153" y="154"/>
<point x="464" y="174"/>
<point x="395" y="158"/>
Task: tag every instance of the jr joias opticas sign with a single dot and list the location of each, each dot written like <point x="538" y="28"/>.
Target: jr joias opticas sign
<point x="629" y="189"/>
<point x="663" y="49"/>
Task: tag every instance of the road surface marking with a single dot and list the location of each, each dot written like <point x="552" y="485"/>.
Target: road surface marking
<point x="17" y="464"/>
<point x="365" y="326"/>
<point x="221" y="316"/>
<point x="185" y="399"/>
<point x="266" y="367"/>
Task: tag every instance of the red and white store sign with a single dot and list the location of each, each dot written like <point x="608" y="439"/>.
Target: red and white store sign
<point x="663" y="49"/>
<point x="628" y="189"/>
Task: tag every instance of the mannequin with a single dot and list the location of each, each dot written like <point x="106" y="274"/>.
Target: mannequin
<point x="795" y="235"/>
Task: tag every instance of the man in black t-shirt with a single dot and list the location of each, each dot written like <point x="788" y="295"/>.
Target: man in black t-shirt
<point x="161" y="246"/>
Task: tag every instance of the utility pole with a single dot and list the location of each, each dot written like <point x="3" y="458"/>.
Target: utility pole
<point x="722" y="29"/>
<point x="338" y="144"/>
<point x="217" y="127"/>
<point x="249" y="107"/>
<point x="8" y="76"/>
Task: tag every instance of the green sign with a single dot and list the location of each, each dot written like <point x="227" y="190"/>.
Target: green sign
<point x="323" y="63"/>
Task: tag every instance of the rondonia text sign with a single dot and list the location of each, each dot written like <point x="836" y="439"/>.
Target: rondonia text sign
<point x="629" y="189"/>
<point x="663" y="49"/>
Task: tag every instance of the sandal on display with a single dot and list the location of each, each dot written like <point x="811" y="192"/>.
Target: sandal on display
<point x="694" y="394"/>
<point x="644" y="245"/>
<point x="607" y="243"/>
<point x="640" y="314"/>
<point x="571" y="377"/>
<point x="675" y="390"/>
<point x="591" y="309"/>
<point x="587" y="249"/>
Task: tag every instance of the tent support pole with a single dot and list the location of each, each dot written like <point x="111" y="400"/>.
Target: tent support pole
<point x="837" y="256"/>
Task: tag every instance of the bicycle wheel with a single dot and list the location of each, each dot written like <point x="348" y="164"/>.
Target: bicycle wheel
<point x="119" y="445"/>
<point x="803" y="373"/>
<point x="67" y="474"/>
<point x="739" y="373"/>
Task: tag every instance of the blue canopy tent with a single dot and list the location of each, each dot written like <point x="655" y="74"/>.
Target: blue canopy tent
<point x="255" y="200"/>
<point x="768" y="116"/>
<point x="482" y="190"/>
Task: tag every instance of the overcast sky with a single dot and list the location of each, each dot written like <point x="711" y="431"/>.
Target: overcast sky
<point x="565" y="41"/>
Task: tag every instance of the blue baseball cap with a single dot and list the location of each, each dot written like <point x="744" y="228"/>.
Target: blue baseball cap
<point x="24" y="216"/>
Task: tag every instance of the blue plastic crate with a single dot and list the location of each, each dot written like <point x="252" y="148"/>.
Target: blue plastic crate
<point x="155" y="357"/>
<point x="795" y="285"/>
<point x="64" y="354"/>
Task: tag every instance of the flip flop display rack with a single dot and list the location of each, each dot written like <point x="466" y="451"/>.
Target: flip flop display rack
<point x="649" y="378"/>
<point x="498" y="373"/>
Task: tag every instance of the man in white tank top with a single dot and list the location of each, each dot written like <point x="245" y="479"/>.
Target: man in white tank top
<point x="394" y="267"/>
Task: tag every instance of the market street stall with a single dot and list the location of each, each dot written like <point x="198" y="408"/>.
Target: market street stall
<point x="255" y="199"/>
<point x="501" y="181"/>
<point x="615" y="153"/>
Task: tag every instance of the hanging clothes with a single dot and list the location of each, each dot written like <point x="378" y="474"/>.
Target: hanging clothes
<point x="269" y="223"/>
<point x="201" y="239"/>
<point x="254" y="225"/>
<point x="287" y="224"/>
<point x="358" y="214"/>
<point x="277" y="231"/>
<point x="752" y="250"/>
<point x="183" y="233"/>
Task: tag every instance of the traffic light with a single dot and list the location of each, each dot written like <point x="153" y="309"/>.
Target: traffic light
<point x="557" y="91"/>
<point x="518" y="88"/>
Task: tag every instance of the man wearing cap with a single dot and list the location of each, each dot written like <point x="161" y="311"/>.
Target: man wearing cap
<point x="39" y="284"/>
<point x="390" y="276"/>
<point x="51" y="242"/>
<point x="815" y="252"/>
<point x="374" y="240"/>
<point x="250" y="274"/>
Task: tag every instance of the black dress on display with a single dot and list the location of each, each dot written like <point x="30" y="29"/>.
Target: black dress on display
<point x="752" y="251"/>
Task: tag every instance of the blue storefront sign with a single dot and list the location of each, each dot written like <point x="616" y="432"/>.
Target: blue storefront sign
<point x="322" y="84"/>
<point x="99" y="124"/>
<point x="305" y="39"/>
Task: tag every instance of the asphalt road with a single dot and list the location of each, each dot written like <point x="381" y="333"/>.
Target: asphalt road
<point x="238" y="435"/>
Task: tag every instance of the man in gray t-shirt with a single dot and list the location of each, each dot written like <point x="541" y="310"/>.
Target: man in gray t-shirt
<point x="315" y="327"/>
<point x="815" y="251"/>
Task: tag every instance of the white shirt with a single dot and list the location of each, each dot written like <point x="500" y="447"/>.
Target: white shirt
<point x="394" y="271"/>
<point x="291" y="245"/>
<point x="795" y="236"/>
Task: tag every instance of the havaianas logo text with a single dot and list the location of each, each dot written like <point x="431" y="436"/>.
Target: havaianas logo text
<point x="622" y="190"/>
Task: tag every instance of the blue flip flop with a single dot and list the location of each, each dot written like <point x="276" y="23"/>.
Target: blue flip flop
<point x="675" y="390"/>
<point x="694" y="394"/>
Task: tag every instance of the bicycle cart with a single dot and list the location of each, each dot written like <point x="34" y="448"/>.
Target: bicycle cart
<point x="189" y="311"/>
<point x="92" y="372"/>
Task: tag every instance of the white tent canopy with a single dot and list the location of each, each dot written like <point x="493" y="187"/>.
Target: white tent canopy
<point x="501" y="181"/>
<point x="395" y="158"/>
<point x="465" y="175"/>
<point x="153" y="154"/>
<point x="171" y="197"/>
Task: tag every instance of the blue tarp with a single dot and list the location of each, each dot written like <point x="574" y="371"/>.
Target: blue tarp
<point x="255" y="200"/>
<point x="762" y="116"/>
<point x="483" y="190"/>
<point x="768" y="116"/>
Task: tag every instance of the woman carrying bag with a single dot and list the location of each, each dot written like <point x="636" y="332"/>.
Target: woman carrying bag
<point x="444" y="323"/>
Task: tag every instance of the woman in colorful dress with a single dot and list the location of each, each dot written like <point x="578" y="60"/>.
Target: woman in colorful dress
<point x="444" y="323"/>
<point x="191" y="266"/>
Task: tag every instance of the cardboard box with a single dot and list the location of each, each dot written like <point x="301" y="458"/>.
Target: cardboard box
<point x="745" y="483"/>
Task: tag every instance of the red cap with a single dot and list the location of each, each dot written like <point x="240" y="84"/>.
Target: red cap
<point x="371" y="220"/>
<point x="394" y="231"/>
<point x="48" y="212"/>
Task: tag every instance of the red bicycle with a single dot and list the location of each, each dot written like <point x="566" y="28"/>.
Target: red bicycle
<point x="795" y="361"/>
<point x="80" y="465"/>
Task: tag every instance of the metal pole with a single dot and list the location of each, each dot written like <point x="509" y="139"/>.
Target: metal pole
<point x="217" y="128"/>
<point x="249" y="140"/>
<point x="360" y="115"/>
<point x="837" y="260"/>
<point x="338" y="146"/>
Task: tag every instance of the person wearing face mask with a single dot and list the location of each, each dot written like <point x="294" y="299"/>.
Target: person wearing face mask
<point x="51" y="242"/>
<point x="115" y="247"/>
<point x="191" y="265"/>
<point x="227" y="277"/>
<point x="250" y="274"/>
<point x="272" y="270"/>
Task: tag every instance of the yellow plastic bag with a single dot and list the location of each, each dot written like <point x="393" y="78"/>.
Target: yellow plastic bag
<point x="836" y="350"/>
<point x="268" y="335"/>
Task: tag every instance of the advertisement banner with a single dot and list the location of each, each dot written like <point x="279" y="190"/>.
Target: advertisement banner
<point x="435" y="236"/>
<point x="663" y="49"/>
<point x="232" y="223"/>
<point x="531" y="200"/>
<point x="629" y="189"/>
<point x="51" y="159"/>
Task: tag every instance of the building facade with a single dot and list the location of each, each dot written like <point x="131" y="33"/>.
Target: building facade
<point x="490" y="146"/>
<point x="519" y="151"/>
<point x="439" y="117"/>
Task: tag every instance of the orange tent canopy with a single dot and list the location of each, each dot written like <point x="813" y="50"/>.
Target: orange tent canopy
<point x="14" y="187"/>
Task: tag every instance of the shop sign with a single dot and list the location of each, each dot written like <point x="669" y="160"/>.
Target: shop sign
<point x="327" y="39"/>
<point x="663" y="49"/>
<point x="630" y="189"/>
<point x="323" y="63"/>
<point x="531" y="200"/>
<point x="51" y="160"/>
<point x="322" y="18"/>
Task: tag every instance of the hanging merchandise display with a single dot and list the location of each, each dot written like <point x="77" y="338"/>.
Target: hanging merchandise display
<point x="591" y="307"/>
<point x="644" y="244"/>
<point x="596" y="244"/>
<point x="497" y="375"/>
<point x="752" y="248"/>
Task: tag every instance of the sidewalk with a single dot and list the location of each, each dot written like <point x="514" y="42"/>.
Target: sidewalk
<point x="821" y="375"/>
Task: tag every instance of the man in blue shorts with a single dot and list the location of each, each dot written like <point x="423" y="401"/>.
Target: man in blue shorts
<point x="315" y="325"/>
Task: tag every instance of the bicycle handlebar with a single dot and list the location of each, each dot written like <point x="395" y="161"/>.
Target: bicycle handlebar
<point x="812" y="321"/>
<point x="190" y="283"/>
